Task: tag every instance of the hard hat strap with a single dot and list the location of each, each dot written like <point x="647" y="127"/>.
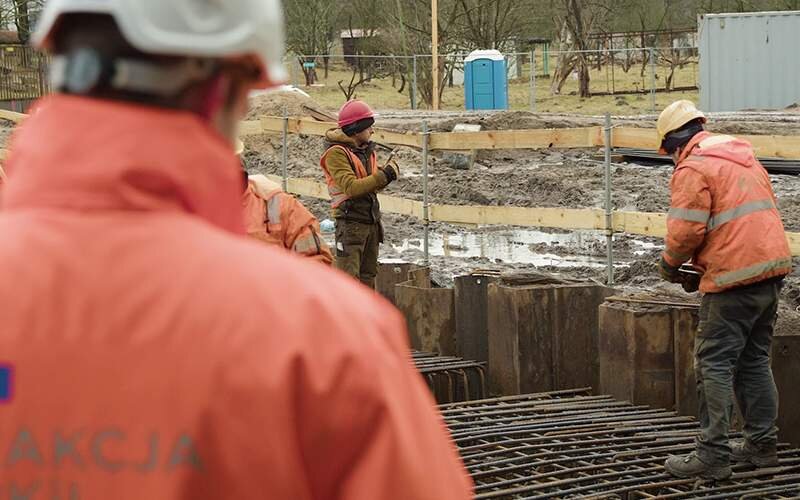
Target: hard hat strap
<point x="85" y="70"/>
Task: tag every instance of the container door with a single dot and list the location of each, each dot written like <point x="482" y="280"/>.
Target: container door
<point x="483" y="84"/>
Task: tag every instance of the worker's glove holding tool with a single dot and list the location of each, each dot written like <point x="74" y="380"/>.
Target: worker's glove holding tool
<point x="390" y="168"/>
<point x="686" y="275"/>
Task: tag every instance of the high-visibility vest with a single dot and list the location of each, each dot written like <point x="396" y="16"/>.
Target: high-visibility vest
<point x="337" y="195"/>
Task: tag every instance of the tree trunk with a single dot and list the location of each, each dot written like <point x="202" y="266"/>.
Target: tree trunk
<point x="22" y="20"/>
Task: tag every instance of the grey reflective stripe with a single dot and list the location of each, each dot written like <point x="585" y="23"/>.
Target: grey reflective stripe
<point x="740" y="211"/>
<point x="306" y="244"/>
<point x="752" y="271"/>
<point x="274" y="210"/>
<point x="689" y="214"/>
<point x="678" y="256"/>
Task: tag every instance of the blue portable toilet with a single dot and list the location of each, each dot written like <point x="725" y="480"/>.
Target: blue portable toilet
<point x="485" y="80"/>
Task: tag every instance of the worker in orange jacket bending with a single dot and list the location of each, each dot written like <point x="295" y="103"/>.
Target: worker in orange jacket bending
<point x="278" y="218"/>
<point x="724" y="218"/>
<point x="148" y="349"/>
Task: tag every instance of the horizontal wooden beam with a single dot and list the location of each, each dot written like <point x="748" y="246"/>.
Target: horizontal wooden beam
<point x="518" y="139"/>
<point x="765" y="146"/>
<point x="639" y="223"/>
<point x="565" y="218"/>
<point x="12" y="116"/>
<point x="305" y="126"/>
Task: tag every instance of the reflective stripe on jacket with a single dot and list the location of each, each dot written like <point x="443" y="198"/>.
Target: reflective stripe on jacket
<point x="157" y="353"/>
<point x="278" y="218"/>
<point x="337" y="194"/>
<point x="723" y="215"/>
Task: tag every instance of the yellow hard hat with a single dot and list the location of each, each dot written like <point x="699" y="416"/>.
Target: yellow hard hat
<point x="238" y="148"/>
<point x="675" y="116"/>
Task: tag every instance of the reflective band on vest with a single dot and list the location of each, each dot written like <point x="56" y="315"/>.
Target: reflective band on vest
<point x="337" y="196"/>
<point x="689" y="214"/>
<point x="752" y="271"/>
<point x="740" y="211"/>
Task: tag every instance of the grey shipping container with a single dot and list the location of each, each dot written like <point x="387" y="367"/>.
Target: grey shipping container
<point x="749" y="60"/>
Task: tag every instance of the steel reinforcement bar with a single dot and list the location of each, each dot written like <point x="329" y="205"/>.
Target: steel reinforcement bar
<point x="572" y="444"/>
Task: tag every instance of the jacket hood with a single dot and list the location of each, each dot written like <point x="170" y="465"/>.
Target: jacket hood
<point x="87" y="154"/>
<point x="336" y="136"/>
<point x="722" y="146"/>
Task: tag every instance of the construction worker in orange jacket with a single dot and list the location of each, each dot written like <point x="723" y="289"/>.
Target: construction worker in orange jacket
<point x="278" y="218"/>
<point x="150" y="351"/>
<point x="723" y="217"/>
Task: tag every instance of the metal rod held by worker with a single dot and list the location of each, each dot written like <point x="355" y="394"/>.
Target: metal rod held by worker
<point x="609" y="213"/>
<point x="285" y="150"/>
<point x="425" y="217"/>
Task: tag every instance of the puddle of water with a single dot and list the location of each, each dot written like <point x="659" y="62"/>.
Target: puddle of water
<point x="512" y="247"/>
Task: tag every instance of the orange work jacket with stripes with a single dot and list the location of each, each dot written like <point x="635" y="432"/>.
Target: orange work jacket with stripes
<point x="362" y="171"/>
<point x="279" y="219"/>
<point x="150" y="350"/>
<point x="723" y="215"/>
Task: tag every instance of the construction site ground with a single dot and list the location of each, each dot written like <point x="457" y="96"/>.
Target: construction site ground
<point x="526" y="178"/>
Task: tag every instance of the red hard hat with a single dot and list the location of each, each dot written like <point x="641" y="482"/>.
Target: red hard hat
<point x="353" y="111"/>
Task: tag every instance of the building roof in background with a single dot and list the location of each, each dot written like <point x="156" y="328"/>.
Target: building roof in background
<point x="7" y="36"/>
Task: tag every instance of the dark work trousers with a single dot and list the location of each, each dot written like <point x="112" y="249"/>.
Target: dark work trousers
<point x="357" y="247"/>
<point x="732" y="356"/>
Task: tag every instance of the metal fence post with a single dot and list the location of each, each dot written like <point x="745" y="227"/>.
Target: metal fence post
<point x="425" y="215"/>
<point x="653" y="79"/>
<point x="414" y="84"/>
<point x="533" y="79"/>
<point x="285" y="150"/>
<point x="609" y="212"/>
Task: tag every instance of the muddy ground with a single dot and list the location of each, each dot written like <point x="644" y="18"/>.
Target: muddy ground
<point x="532" y="178"/>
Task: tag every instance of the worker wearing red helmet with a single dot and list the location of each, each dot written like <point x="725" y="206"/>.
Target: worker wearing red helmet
<point x="351" y="171"/>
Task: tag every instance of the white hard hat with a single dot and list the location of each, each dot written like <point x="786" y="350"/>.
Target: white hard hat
<point x="225" y="29"/>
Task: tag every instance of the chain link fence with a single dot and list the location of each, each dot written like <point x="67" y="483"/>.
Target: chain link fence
<point x="553" y="81"/>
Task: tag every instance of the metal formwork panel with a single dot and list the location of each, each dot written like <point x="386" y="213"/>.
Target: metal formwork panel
<point x="749" y="60"/>
<point x="571" y="444"/>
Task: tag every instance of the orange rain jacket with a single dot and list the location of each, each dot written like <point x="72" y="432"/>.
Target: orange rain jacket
<point x="724" y="216"/>
<point x="277" y="218"/>
<point x="154" y="352"/>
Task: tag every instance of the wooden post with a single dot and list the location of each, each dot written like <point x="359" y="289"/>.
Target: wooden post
<point x="435" y="52"/>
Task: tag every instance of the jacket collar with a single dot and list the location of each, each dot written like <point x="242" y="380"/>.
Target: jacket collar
<point x="87" y="154"/>
<point x="693" y="142"/>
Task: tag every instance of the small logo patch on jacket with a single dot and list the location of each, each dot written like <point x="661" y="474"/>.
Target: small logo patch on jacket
<point x="6" y="382"/>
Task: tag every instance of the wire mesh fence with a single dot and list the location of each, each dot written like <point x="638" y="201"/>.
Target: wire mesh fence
<point x="552" y="80"/>
<point x="23" y="73"/>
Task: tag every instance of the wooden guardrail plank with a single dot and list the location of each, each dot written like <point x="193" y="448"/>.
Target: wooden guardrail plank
<point x="12" y="116"/>
<point x="518" y="139"/>
<point x="767" y="146"/>
<point x="313" y="127"/>
<point x="565" y="218"/>
<point x="642" y="223"/>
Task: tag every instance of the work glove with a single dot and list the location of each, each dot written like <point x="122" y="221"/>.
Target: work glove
<point x="392" y="171"/>
<point x="690" y="283"/>
<point x="668" y="272"/>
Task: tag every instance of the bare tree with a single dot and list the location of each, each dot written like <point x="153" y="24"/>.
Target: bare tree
<point x="311" y="25"/>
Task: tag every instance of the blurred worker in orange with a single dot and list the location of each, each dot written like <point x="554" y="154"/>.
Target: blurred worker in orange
<point x="278" y="218"/>
<point x="148" y="349"/>
<point x="723" y="216"/>
<point x="351" y="170"/>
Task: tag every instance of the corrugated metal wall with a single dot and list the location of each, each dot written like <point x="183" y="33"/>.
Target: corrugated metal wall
<point x="749" y="61"/>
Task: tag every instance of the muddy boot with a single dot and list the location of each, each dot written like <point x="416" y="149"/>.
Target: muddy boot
<point x="690" y="465"/>
<point x="746" y="452"/>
